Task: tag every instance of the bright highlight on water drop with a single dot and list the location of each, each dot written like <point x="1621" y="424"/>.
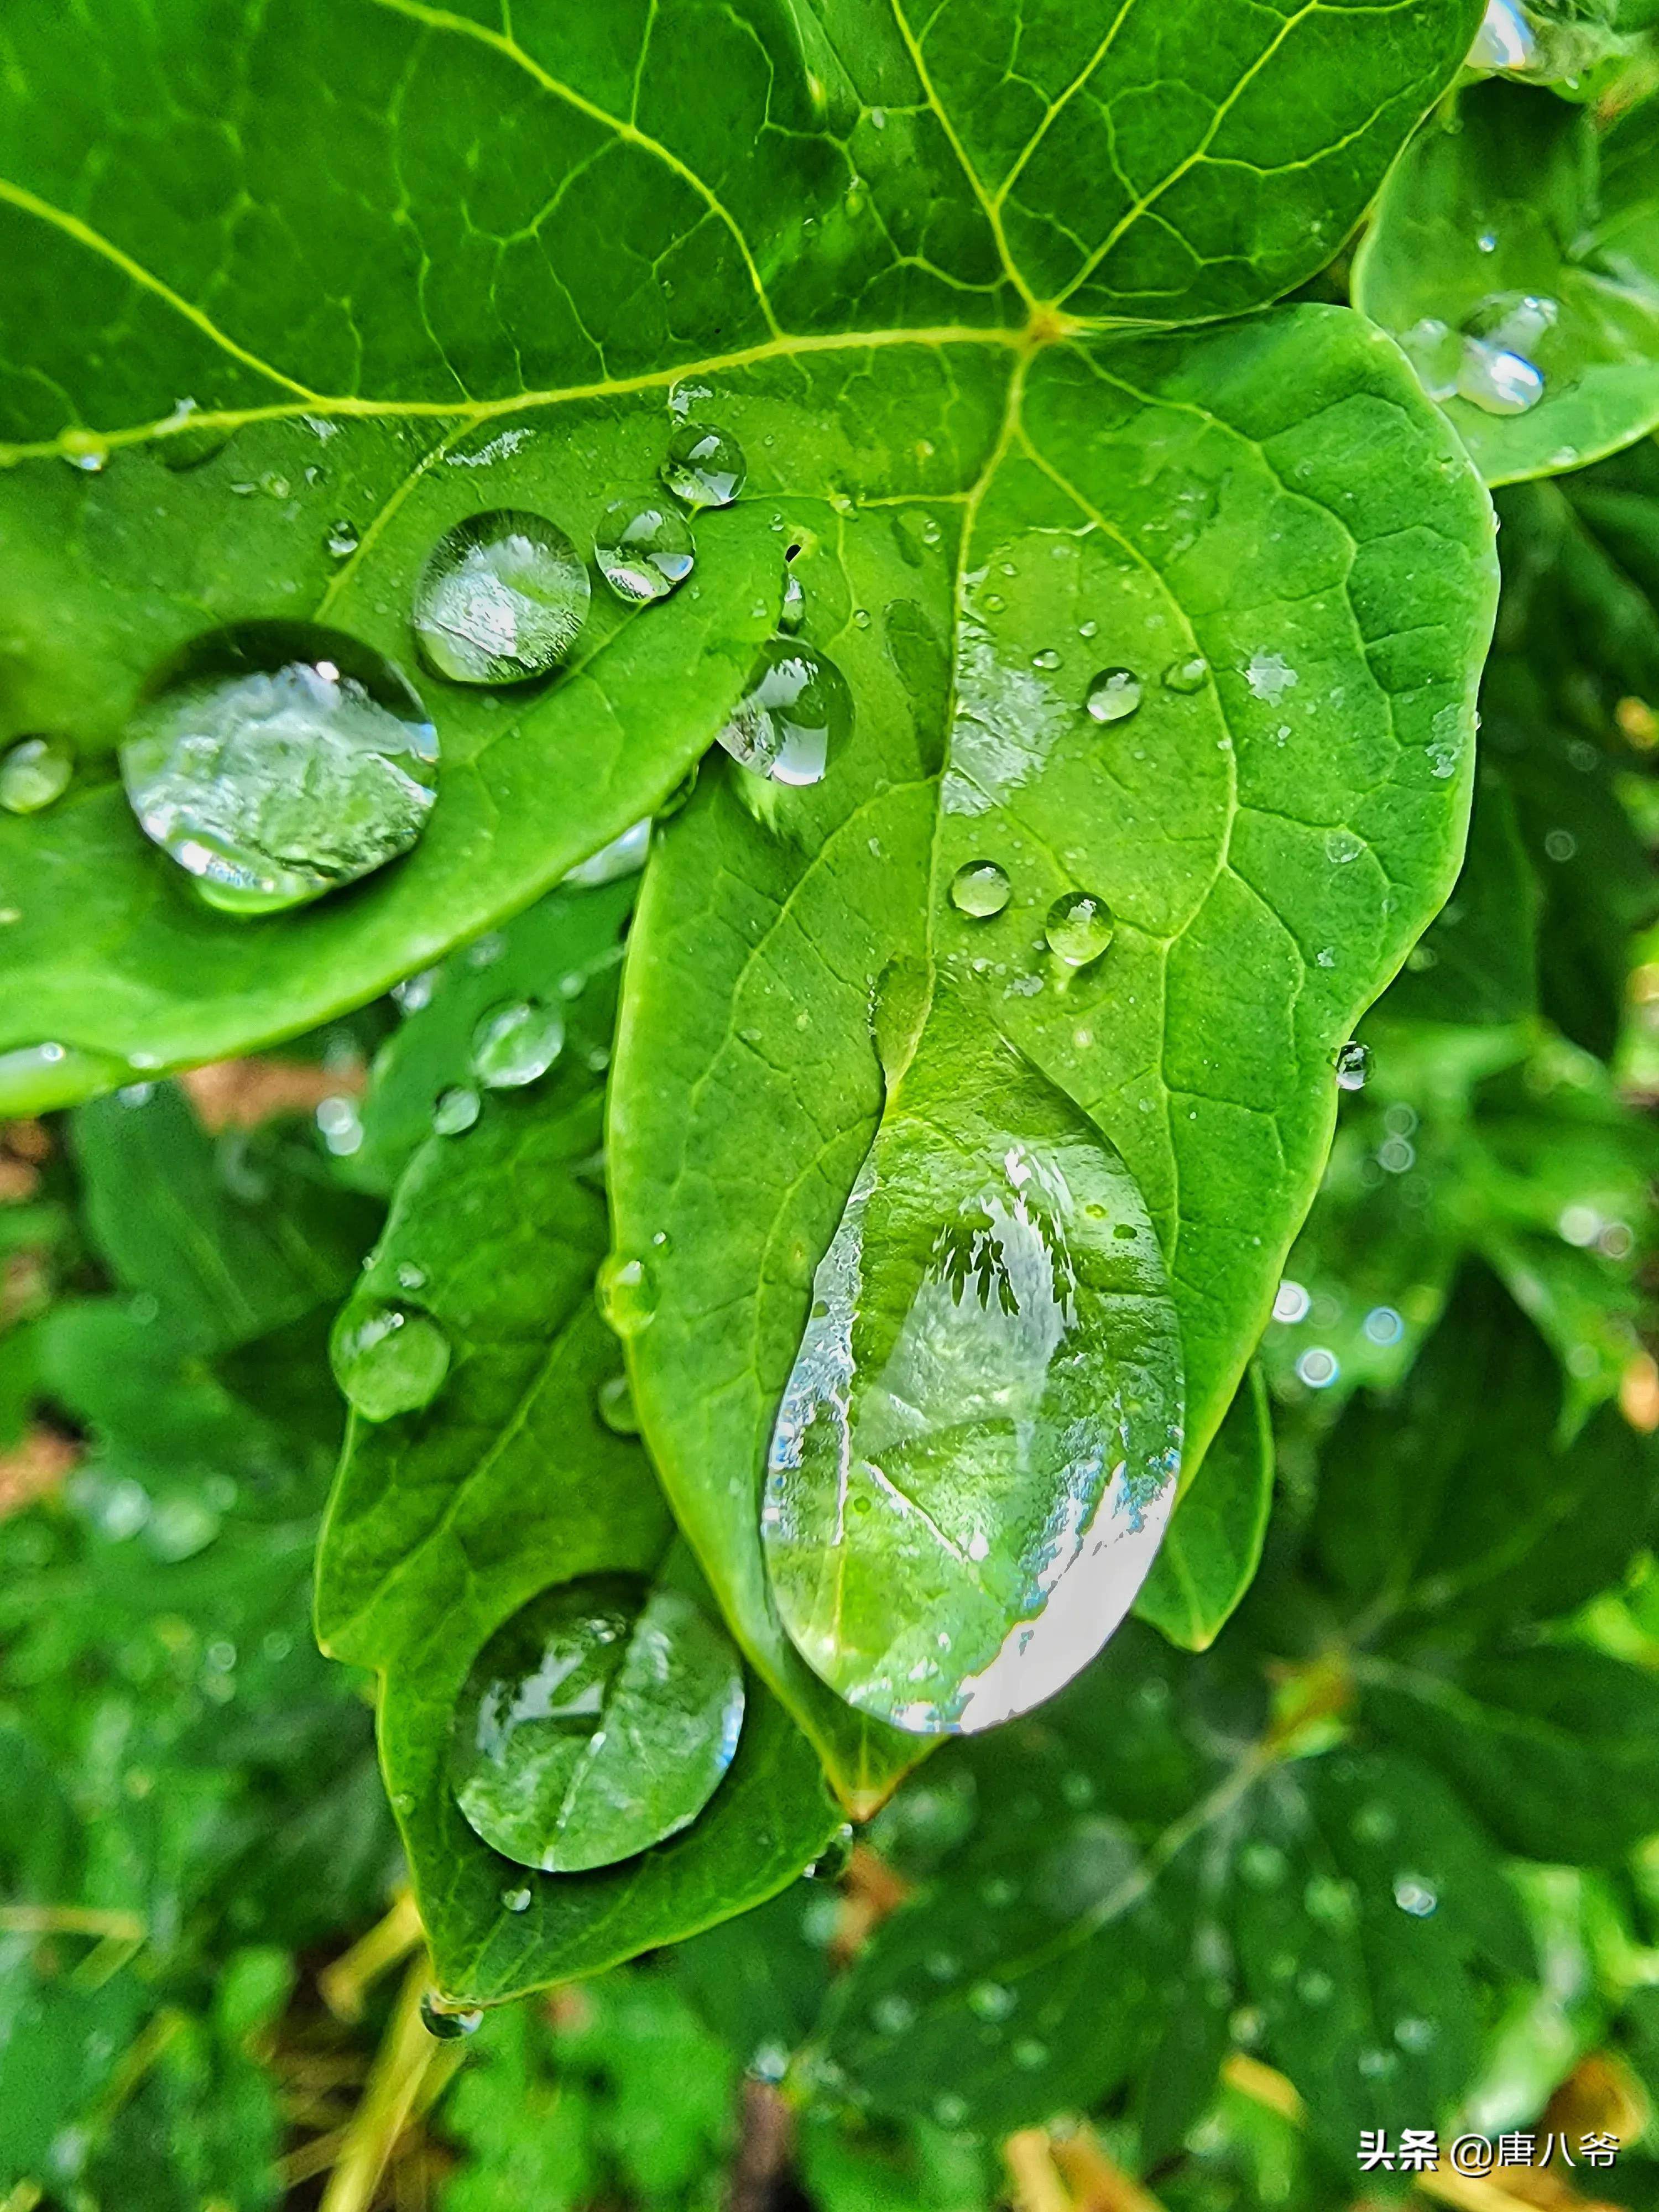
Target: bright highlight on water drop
<point x="705" y="467"/>
<point x="1114" y="695"/>
<point x="1079" y="927"/>
<point x="502" y="599"/>
<point x="515" y="1044"/>
<point x="644" y="548"/>
<point x="980" y="889"/>
<point x="389" y="1359"/>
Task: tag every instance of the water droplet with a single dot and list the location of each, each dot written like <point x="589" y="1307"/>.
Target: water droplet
<point x="833" y="1860"/>
<point x="1186" y="675"/>
<point x="1047" y="659"/>
<point x="992" y="2001"/>
<point x="1114" y="695"/>
<point x="33" y="773"/>
<point x="796" y="712"/>
<point x="1354" y="1066"/>
<point x="596" y="1721"/>
<point x="1504" y="40"/>
<point x="980" y="889"/>
<point x="643" y="549"/>
<point x="516" y="1044"/>
<point x="1498" y="381"/>
<point x="1290" y="1301"/>
<point x="389" y="1359"/>
<point x="1382" y="1325"/>
<point x="1318" y="1367"/>
<point x="517" y="1901"/>
<point x="614" y="1402"/>
<point x="1269" y="677"/>
<point x="1435" y="351"/>
<point x="457" y="1110"/>
<point x="971" y="1368"/>
<point x="705" y="467"/>
<point x="1342" y="845"/>
<point x="85" y="450"/>
<point x="276" y="761"/>
<point x="1079" y="927"/>
<point x="443" y="2020"/>
<point x="409" y="1277"/>
<point x="1415" y="1896"/>
<point x="501" y="598"/>
<point x="343" y="538"/>
<point x="792" y="613"/>
<point x="626" y="1293"/>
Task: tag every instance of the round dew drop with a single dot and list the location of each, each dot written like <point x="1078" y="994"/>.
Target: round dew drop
<point x="34" y="774"/>
<point x="456" y="1110"/>
<point x="626" y="1293"/>
<point x="644" y="550"/>
<point x="796" y="711"/>
<point x="1354" y="1066"/>
<point x="514" y="1045"/>
<point x="276" y="761"/>
<point x="704" y="467"/>
<point x="1114" y="695"/>
<point x="1186" y="675"/>
<point x="447" y="2025"/>
<point x="389" y="1360"/>
<point x="1079" y="927"/>
<point x="980" y="889"/>
<point x="501" y="598"/>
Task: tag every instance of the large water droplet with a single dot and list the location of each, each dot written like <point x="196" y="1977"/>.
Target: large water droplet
<point x="502" y="599"/>
<point x="456" y="1110"/>
<point x="1498" y="381"/>
<point x="983" y="1425"/>
<point x="599" y="1720"/>
<point x="1114" y="695"/>
<point x="796" y="712"/>
<point x="980" y="889"/>
<point x="1079" y="927"/>
<point x="644" y="548"/>
<point x="705" y="467"/>
<point x="514" y="1045"/>
<point x="448" y="2023"/>
<point x="1504" y="40"/>
<point x="389" y="1359"/>
<point x="626" y="1293"/>
<point x="276" y="761"/>
<point x="34" y="773"/>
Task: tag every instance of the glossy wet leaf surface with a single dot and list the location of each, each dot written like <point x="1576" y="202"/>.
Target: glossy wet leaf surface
<point x="1211" y="1551"/>
<point x="1514" y="254"/>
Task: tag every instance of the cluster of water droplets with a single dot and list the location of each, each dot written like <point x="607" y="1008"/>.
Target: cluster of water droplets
<point x="1489" y="360"/>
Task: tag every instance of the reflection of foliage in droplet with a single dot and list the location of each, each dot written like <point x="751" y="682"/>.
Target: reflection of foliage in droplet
<point x="501" y="598"/>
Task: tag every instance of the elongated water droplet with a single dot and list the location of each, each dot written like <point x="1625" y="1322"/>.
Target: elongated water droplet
<point x="1079" y="927"/>
<point x="456" y="1110"/>
<point x="33" y="773"/>
<point x="516" y="1045"/>
<point x="705" y="467"/>
<point x="796" y="712"/>
<point x="1354" y="1066"/>
<point x="980" y="889"/>
<point x="644" y="548"/>
<point x="976" y="1448"/>
<point x="1114" y="695"/>
<point x="1435" y="351"/>
<point x="1504" y="40"/>
<point x="626" y="1292"/>
<point x="1497" y="380"/>
<point x="615" y="1405"/>
<point x="445" y="2021"/>
<point x="501" y="598"/>
<point x="622" y="856"/>
<point x="1186" y="675"/>
<point x="389" y="1359"/>
<point x="276" y="762"/>
<point x="792" y="613"/>
<point x="599" y="1720"/>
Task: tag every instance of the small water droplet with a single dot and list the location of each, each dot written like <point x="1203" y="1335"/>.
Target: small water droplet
<point x="1354" y="1066"/>
<point x="796" y="712"/>
<point x="502" y="599"/>
<point x="704" y="467"/>
<point x="409" y="1277"/>
<point x="1498" y="380"/>
<point x="85" y="450"/>
<point x="275" y="761"/>
<point x="644" y="548"/>
<point x="614" y="1402"/>
<point x="1342" y="845"/>
<point x="1415" y="2035"/>
<point x="1188" y="675"/>
<point x="1414" y="1895"/>
<point x="1318" y="1367"/>
<point x="444" y="2021"/>
<point x="992" y="2001"/>
<point x="1079" y="927"/>
<point x="35" y="772"/>
<point x="456" y="1110"/>
<point x="1435" y="351"/>
<point x="1047" y="659"/>
<point x="1291" y="1302"/>
<point x="792" y="613"/>
<point x="389" y="1359"/>
<point x="1269" y="677"/>
<point x="626" y="1292"/>
<point x="517" y="1901"/>
<point x="980" y="889"/>
<point x="1114" y="695"/>
<point x="343" y="538"/>
<point x="515" y="1044"/>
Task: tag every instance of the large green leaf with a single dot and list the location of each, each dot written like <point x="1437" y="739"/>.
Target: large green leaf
<point x="1205" y="1561"/>
<point x="447" y="1520"/>
<point x="1276" y="497"/>
<point x="465" y="280"/>
<point x="1514" y="242"/>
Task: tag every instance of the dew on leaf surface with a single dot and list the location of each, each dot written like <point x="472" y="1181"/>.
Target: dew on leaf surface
<point x="1435" y="351"/>
<point x="277" y="761"/>
<point x="1079" y="927"/>
<point x="456" y="1110"/>
<point x="1354" y="1066"/>
<point x="444" y="2021"/>
<point x="515" y="1044"/>
<point x="502" y="599"/>
<point x="599" y="1720"/>
<point x="627" y="1293"/>
<point x="644" y="548"/>
<point x="615" y="1403"/>
<point x="796" y="712"/>
<point x="624" y="855"/>
<point x="1414" y="1895"/>
<point x="792" y="613"/>
<point x="388" y="1359"/>
<point x="517" y="1901"/>
<point x="343" y="538"/>
<point x="1291" y="1302"/>
<point x="33" y="773"/>
<point x="1504" y="40"/>
<point x="980" y="889"/>
<point x="1114" y="695"/>
<point x="704" y="467"/>
<point x="1186" y="675"/>
<point x="985" y="1359"/>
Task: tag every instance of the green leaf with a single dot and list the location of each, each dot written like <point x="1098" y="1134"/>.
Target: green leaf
<point x="1271" y="843"/>
<point x="1477" y="960"/>
<point x="1514" y="254"/>
<point x="1209" y="1555"/>
<point x="447" y="1520"/>
<point x="281" y="421"/>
